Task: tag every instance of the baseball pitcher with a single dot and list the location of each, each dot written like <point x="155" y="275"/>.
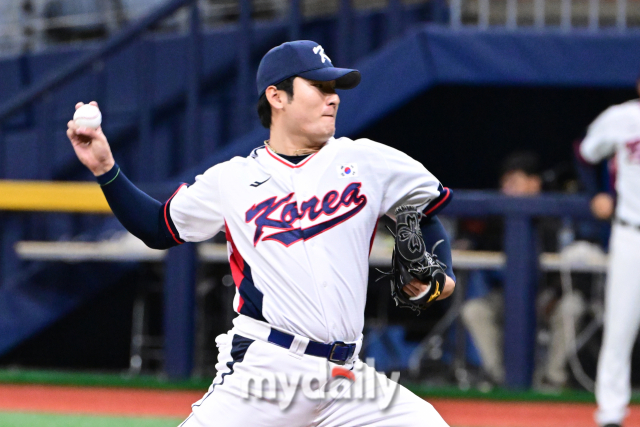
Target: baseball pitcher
<point x="299" y="214"/>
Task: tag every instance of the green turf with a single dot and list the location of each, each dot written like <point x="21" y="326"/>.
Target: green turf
<point x="17" y="419"/>
<point x="88" y="379"/>
<point x="568" y="395"/>
<point x="24" y="376"/>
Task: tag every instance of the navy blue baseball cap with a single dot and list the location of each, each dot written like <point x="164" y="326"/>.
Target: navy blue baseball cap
<point x="302" y="58"/>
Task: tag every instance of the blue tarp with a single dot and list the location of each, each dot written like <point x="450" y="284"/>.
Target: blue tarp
<point x="436" y="55"/>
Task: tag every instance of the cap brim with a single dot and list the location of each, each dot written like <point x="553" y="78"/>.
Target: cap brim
<point x="345" y="78"/>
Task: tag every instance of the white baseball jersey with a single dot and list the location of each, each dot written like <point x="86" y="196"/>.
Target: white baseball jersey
<point x="299" y="235"/>
<point x="617" y="131"/>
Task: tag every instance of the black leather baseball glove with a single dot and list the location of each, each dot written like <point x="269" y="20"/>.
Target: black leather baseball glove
<point x="410" y="260"/>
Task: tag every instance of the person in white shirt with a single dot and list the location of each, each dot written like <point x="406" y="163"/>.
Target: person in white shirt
<point x="616" y="132"/>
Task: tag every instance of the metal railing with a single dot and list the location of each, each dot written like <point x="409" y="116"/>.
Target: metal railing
<point x="520" y="263"/>
<point x="34" y="28"/>
<point x="27" y="25"/>
<point x="592" y="15"/>
<point x="65" y="74"/>
<point x="297" y="9"/>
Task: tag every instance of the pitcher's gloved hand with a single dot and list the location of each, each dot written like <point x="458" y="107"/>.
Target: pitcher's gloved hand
<point x="410" y="260"/>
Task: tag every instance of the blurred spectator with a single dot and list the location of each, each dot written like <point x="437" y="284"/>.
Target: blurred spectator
<point x="483" y="314"/>
<point x="521" y="175"/>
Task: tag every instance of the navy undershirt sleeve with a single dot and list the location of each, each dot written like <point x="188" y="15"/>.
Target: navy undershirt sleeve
<point x="142" y="215"/>
<point x="433" y="231"/>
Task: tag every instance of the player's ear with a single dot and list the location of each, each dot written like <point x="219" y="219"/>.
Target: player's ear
<point x="274" y="98"/>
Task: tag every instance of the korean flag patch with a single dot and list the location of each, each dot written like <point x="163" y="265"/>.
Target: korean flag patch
<point x="348" y="170"/>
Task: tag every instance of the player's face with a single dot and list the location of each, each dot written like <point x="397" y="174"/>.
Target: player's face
<point x="518" y="183"/>
<point x="312" y="112"/>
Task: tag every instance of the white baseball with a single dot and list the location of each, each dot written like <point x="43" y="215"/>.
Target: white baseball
<point x="88" y="116"/>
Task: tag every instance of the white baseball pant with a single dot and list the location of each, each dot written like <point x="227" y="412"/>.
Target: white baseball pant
<point x="621" y="321"/>
<point x="239" y="397"/>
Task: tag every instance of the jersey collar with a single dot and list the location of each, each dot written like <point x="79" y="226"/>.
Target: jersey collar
<point x="288" y="163"/>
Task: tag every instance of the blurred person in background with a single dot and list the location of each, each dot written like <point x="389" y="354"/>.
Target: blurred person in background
<point x="616" y="133"/>
<point x="483" y="313"/>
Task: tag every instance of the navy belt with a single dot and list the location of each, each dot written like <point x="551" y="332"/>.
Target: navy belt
<point x="337" y="352"/>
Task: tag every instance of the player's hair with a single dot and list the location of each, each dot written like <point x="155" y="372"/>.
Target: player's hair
<point x="264" y="108"/>
<point x="525" y="161"/>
